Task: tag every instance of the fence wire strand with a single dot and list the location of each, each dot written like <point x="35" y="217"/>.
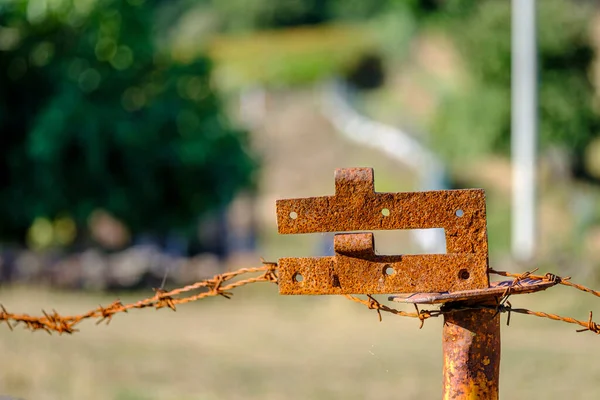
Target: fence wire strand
<point x="223" y="284"/>
<point x="216" y="286"/>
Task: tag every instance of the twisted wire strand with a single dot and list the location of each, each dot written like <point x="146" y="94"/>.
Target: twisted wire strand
<point x="54" y="322"/>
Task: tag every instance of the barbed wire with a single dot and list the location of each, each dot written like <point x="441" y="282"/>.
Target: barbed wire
<point x="219" y="286"/>
<point x="54" y="322"/>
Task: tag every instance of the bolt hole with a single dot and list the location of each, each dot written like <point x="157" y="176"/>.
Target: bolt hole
<point x="464" y="274"/>
<point x="335" y="281"/>
<point x="385" y="212"/>
<point x="388" y="270"/>
<point x="298" y="277"/>
<point x="460" y="213"/>
<point x="293" y="215"/>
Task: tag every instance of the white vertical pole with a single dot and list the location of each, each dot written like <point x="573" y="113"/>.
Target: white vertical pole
<point x="524" y="128"/>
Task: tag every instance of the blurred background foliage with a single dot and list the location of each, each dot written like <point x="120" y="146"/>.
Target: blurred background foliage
<point x="477" y="121"/>
<point x="128" y="161"/>
<point x="121" y="105"/>
<point x="129" y="116"/>
<point x="473" y="119"/>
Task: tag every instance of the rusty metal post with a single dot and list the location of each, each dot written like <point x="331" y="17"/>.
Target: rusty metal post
<point x="471" y="347"/>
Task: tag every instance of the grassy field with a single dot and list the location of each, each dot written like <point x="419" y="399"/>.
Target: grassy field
<point x="259" y="345"/>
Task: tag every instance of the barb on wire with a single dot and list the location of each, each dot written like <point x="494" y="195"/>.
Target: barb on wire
<point x="373" y="304"/>
<point x="515" y="282"/>
<point x="592" y="326"/>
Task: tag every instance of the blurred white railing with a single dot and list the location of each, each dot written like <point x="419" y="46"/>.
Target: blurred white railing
<point x="394" y="142"/>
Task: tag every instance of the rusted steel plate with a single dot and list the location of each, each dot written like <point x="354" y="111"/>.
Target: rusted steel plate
<point x="356" y="206"/>
<point x="355" y="268"/>
<point x="496" y="289"/>
<point x="471" y="349"/>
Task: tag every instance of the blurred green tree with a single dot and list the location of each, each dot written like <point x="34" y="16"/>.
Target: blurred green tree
<point x="94" y="116"/>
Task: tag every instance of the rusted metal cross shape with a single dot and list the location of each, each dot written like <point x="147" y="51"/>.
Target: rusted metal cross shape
<point x="356" y="269"/>
<point x="471" y="335"/>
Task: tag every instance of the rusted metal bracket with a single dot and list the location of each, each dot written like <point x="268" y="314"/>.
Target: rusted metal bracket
<point x="356" y="269"/>
<point x="471" y="333"/>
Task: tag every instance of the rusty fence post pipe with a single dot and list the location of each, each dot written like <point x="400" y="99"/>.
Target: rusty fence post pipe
<point x="471" y="347"/>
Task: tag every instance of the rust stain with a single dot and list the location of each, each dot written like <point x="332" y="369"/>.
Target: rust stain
<point x="356" y="269"/>
<point x="471" y="348"/>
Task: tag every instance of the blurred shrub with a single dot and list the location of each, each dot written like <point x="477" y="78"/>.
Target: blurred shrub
<point x="327" y="37"/>
<point x="291" y="57"/>
<point x="94" y="116"/>
<point x="250" y="15"/>
<point x="477" y="121"/>
<point x="367" y="73"/>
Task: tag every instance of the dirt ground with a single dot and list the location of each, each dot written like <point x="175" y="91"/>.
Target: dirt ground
<point x="259" y="345"/>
